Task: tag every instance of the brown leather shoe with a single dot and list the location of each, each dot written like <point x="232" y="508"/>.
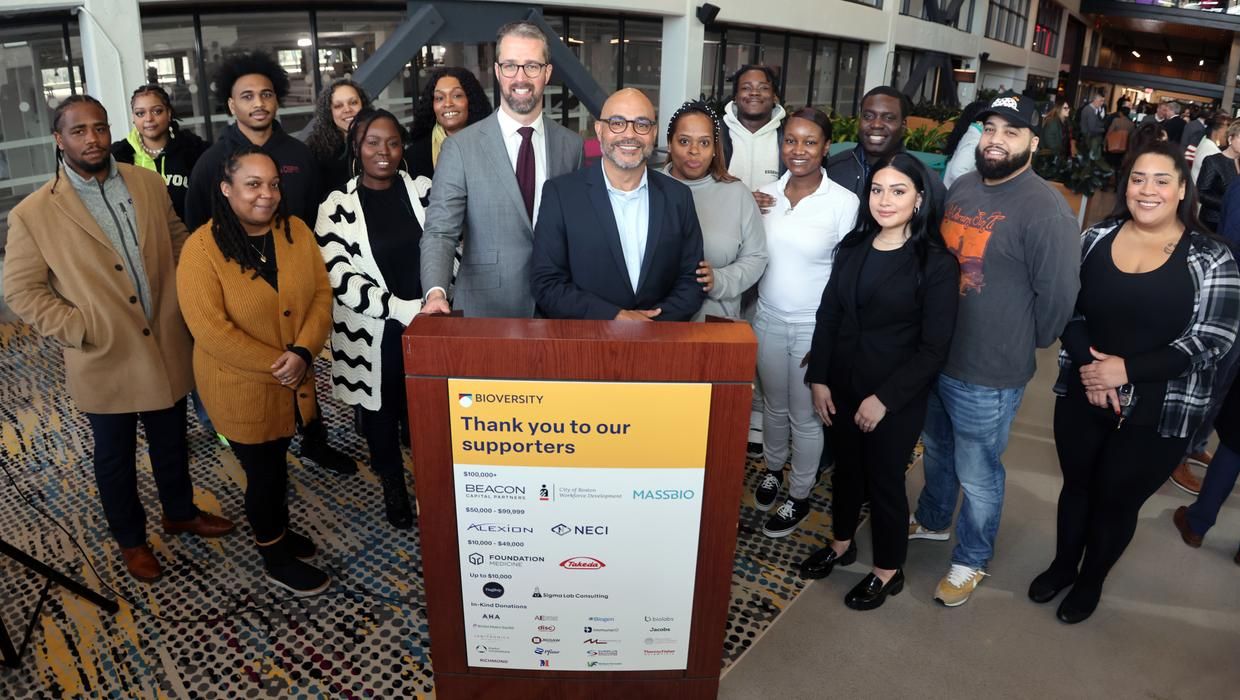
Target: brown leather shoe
<point x="204" y="525"/>
<point x="142" y="563"/>
<point x="1186" y="480"/>
<point x="1203" y="457"/>
<point x="1180" y="518"/>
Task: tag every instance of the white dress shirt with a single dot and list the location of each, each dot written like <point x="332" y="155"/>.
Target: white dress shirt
<point x="508" y="128"/>
<point x="632" y="214"/>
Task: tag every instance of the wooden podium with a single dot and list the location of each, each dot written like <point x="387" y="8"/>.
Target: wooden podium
<point x="722" y="355"/>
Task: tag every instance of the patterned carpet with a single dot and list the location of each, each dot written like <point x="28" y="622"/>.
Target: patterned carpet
<point x="213" y="627"/>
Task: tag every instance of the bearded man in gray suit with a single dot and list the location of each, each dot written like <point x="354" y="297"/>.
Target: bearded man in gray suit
<point x="487" y="187"/>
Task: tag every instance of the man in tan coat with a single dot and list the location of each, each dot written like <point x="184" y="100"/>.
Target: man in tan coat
<point x="91" y="261"/>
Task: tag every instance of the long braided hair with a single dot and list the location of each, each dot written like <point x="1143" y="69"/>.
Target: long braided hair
<point x="226" y="228"/>
<point x="57" y="115"/>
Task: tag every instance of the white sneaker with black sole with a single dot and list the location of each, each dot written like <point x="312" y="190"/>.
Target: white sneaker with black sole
<point x="768" y="490"/>
<point x="786" y="518"/>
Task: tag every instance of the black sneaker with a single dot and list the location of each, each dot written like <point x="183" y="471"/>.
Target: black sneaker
<point x="315" y="450"/>
<point x="396" y="500"/>
<point x="768" y="489"/>
<point x="786" y="518"/>
<point x="298" y="577"/>
<point x="289" y="573"/>
<point x="299" y="545"/>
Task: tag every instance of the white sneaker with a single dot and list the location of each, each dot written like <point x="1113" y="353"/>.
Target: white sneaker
<point x="917" y="532"/>
<point x="958" y="585"/>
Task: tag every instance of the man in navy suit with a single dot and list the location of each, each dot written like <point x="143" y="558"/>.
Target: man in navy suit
<point x="618" y="240"/>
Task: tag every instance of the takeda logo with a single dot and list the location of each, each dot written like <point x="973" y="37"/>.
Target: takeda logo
<point x="582" y="564"/>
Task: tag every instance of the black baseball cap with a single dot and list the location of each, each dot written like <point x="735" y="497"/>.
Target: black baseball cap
<point x="1015" y="108"/>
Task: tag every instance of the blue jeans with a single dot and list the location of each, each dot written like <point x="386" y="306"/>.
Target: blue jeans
<point x="1215" y="488"/>
<point x="965" y="434"/>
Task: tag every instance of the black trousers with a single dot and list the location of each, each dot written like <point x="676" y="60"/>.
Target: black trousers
<point x="116" y="472"/>
<point x="266" y="487"/>
<point x="1108" y="475"/>
<point x="872" y="465"/>
<point x="382" y="428"/>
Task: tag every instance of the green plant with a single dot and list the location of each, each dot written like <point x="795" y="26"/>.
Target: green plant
<point x="1084" y="173"/>
<point x="937" y="112"/>
<point x="844" y="129"/>
<point x="987" y="94"/>
<point x="927" y="139"/>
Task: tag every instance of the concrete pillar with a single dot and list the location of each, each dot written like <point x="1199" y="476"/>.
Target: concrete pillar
<point x="112" y="55"/>
<point x="1229" y="78"/>
<point x="680" y="70"/>
<point x="876" y="66"/>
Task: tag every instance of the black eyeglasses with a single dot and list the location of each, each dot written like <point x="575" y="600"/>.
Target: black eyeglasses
<point x="532" y="70"/>
<point x="641" y="125"/>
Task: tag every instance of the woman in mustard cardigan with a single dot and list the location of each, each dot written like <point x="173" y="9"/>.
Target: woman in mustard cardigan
<point x="255" y="295"/>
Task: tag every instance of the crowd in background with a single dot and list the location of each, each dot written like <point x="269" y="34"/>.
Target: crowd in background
<point x="890" y="303"/>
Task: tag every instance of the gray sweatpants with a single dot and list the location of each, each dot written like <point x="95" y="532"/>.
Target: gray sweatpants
<point x="788" y="419"/>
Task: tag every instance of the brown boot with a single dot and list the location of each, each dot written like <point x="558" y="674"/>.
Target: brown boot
<point x="1185" y="479"/>
<point x="142" y="563"/>
<point x="1180" y="518"/>
<point x="203" y="525"/>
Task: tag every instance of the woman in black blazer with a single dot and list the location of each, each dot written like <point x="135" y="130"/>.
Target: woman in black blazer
<point x="883" y="331"/>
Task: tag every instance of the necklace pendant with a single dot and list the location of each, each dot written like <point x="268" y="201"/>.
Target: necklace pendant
<point x="262" y="258"/>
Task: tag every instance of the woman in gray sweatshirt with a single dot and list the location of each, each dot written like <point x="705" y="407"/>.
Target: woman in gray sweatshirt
<point x="734" y="242"/>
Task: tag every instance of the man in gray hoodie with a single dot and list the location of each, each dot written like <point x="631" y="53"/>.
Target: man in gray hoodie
<point x="753" y="129"/>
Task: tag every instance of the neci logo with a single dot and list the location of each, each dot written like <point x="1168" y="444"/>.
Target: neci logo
<point x="582" y="564"/>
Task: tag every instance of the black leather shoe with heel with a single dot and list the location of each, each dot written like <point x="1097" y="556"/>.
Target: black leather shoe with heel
<point x="820" y="563"/>
<point x="872" y="592"/>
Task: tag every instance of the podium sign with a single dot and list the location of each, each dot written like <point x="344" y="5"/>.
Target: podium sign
<point x="577" y="508"/>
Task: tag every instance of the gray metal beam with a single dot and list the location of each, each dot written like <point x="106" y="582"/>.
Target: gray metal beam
<point x="1190" y="87"/>
<point x="402" y="45"/>
<point x="569" y="69"/>
<point x="1173" y="15"/>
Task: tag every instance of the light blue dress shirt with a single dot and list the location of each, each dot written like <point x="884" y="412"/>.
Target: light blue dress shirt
<point x="632" y="212"/>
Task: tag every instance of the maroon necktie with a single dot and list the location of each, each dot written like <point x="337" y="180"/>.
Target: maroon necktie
<point x="525" y="169"/>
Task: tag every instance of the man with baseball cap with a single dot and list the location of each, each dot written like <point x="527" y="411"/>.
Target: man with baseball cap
<point x="1019" y="252"/>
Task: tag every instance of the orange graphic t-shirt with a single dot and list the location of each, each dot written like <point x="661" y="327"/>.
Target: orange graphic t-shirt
<point x="967" y="236"/>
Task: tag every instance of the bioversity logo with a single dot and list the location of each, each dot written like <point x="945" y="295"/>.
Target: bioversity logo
<point x="582" y="564"/>
<point x="466" y="400"/>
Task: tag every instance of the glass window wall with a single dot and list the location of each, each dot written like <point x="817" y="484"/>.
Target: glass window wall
<point x="36" y="77"/>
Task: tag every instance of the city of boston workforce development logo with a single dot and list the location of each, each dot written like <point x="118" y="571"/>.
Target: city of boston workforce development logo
<point x="466" y="400"/>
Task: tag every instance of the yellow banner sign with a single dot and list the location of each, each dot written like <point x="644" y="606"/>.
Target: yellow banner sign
<point x="579" y="424"/>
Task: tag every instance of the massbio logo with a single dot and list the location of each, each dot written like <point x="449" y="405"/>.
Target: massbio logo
<point x="664" y="494"/>
<point x="582" y="564"/>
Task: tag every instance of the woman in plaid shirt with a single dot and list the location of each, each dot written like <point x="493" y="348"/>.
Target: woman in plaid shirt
<point x="1159" y="306"/>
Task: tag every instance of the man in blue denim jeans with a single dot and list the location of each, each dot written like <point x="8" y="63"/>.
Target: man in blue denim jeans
<point x="1019" y="251"/>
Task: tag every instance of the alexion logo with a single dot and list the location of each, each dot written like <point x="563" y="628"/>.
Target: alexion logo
<point x="466" y="400"/>
<point x="582" y="563"/>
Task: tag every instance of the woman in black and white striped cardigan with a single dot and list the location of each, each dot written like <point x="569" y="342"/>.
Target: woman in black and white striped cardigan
<point x="369" y="235"/>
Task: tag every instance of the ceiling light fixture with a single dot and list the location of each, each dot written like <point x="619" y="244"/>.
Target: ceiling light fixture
<point x="1168" y="58"/>
<point x="304" y="42"/>
<point x="1136" y="54"/>
<point x="1201" y="62"/>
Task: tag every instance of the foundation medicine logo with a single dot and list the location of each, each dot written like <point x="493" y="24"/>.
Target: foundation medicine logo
<point x="466" y="400"/>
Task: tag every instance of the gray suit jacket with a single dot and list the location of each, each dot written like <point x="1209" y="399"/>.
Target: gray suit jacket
<point x="475" y="190"/>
